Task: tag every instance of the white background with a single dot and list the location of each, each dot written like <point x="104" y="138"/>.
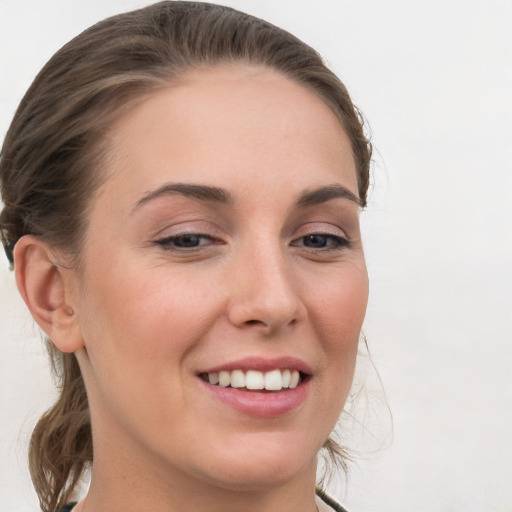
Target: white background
<point x="434" y="78"/>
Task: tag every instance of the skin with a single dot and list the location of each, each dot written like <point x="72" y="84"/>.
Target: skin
<point x="147" y="316"/>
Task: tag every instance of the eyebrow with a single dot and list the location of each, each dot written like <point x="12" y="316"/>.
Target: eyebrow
<point x="324" y="194"/>
<point x="219" y="195"/>
<point x="201" y="192"/>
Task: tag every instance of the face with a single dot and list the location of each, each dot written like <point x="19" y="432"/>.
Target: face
<point x="225" y="245"/>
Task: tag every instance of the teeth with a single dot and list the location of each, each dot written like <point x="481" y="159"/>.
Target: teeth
<point x="224" y="379"/>
<point x="237" y="379"/>
<point x="274" y="380"/>
<point x="254" y="380"/>
<point x="286" y="378"/>
<point x="294" y="379"/>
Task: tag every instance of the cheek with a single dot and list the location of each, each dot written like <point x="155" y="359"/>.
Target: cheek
<point x="137" y="333"/>
<point x="150" y="315"/>
<point x="337" y="312"/>
<point x="339" y="307"/>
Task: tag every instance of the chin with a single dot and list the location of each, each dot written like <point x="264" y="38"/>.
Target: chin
<point x="264" y="464"/>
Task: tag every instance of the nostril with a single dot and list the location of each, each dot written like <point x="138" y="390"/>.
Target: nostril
<point x="254" y="322"/>
<point x="251" y="323"/>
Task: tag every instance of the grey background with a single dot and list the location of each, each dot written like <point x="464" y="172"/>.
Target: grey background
<point x="434" y="80"/>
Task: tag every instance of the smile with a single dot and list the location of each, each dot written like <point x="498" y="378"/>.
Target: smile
<point x="259" y="387"/>
<point x="274" y="380"/>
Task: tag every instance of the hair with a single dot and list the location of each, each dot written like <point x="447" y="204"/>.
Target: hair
<point x="52" y="156"/>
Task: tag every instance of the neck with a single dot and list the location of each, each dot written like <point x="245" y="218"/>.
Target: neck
<point x="104" y="495"/>
<point x="119" y="485"/>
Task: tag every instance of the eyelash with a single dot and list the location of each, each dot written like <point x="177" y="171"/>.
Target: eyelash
<point x="339" y="242"/>
<point x="169" y="243"/>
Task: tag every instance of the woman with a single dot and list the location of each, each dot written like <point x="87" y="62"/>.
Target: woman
<point x="182" y="187"/>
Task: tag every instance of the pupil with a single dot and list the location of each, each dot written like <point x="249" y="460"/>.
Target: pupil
<point x="315" y="241"/>
<point x="187" y="241"/>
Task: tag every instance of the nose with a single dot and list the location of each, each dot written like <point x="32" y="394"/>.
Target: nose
<point x="264" y="293"/>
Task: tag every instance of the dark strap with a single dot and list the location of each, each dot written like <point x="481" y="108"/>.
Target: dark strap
<point x="327" y="499"/>
<point x="320" y="493"/>
<point x="68" y="507"/>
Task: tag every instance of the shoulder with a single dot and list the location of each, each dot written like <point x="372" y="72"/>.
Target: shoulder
<point x="326" y="503"/>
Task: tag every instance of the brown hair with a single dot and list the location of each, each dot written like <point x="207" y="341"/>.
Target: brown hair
<point x="50" y="163"/>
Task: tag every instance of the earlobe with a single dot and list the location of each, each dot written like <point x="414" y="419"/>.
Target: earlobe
<point x="42" y="284"/>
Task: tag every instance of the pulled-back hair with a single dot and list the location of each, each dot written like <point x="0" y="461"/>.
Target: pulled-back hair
<point x="53" y="153"/>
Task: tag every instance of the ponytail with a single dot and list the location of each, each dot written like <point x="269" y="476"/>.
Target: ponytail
<point x="61" y="443"/>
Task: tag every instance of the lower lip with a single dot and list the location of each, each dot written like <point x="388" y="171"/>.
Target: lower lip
<point x="261" y="404"/>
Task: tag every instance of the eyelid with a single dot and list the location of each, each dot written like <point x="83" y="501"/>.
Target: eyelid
<point x="171" y="244"/>
<point x="175" y="236"/>
<point x="321" y="228"/>
<point x="340" y="242"/>
<point x="196" y="227"/>
<point x="205" y="230"/>
<point x="337" y="242"/>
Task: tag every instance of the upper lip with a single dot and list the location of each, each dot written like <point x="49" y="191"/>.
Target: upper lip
<point x="263" y="365"/>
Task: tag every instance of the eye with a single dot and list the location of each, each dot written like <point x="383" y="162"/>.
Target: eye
<point x="185" y="241"/>
<point x="321" y="241"/>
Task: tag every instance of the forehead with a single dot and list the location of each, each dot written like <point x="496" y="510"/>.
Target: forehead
<point x="232" y="122"/>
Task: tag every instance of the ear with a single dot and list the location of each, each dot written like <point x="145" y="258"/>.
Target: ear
<point x="47" y="289"/>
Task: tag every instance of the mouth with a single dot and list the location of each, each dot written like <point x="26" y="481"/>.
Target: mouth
<point x="253" y="380"/>
<point x="259" y="387"/>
